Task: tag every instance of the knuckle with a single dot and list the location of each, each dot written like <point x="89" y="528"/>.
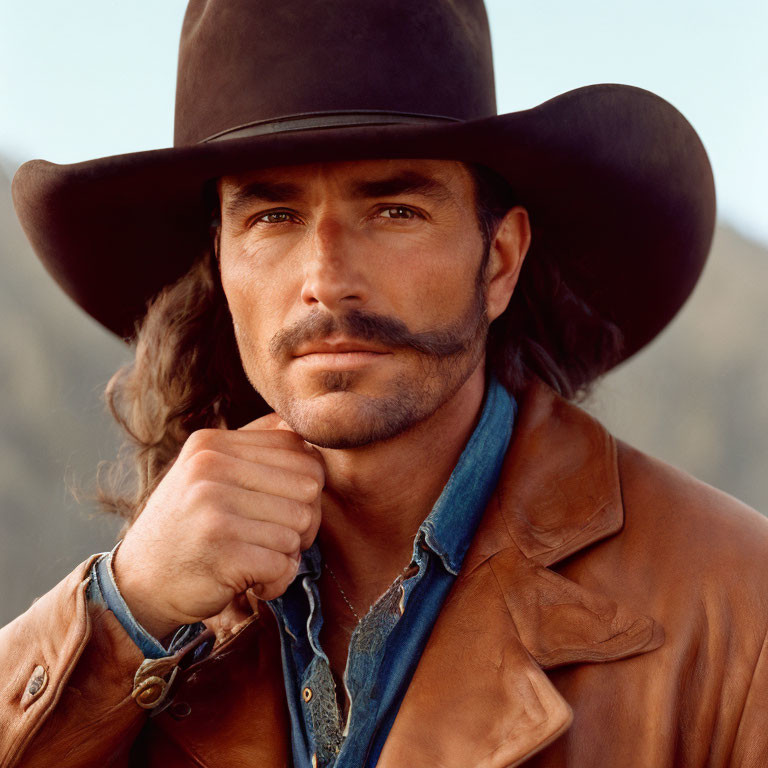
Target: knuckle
<point x="304" y="464"/>
<point x="302" y="514"/>
<point x="308" y="488"/>
<point x="210" y="525"/>
<point x="201" y="439"/>
<point x="314" y="469"/>
<point x="319" y="475"/>
<point x="202" y="494"/>
<point x="204" y="462"/>
<point x="291" y="541"/>
<point x="281" y="540"/>
<point x="275" y="565"/>
<point x="311" y="466"/>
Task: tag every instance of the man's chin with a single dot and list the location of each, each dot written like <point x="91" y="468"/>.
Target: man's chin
<point x="344" y="420"/>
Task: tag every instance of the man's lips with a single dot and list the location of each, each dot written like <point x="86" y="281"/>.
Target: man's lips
<point x="337" y="348"/>
<point x="341" y="355"/>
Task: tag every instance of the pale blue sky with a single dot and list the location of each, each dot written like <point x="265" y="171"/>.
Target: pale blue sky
<point x="96" y="77"/>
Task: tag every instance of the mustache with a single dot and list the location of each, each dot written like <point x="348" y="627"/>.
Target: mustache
<point x="368" y="326"/>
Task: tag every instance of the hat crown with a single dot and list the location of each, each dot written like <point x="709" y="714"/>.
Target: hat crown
<point x="250" y="61"/>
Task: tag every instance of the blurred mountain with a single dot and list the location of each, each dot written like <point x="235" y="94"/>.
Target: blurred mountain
<point x="697" y="397"/>
<point x="54" y="363"/>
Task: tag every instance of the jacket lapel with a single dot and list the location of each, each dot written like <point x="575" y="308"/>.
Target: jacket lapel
<point x="479" y="697"/>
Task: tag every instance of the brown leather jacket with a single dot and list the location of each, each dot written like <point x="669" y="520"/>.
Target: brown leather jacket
<point x="612" y="611"/>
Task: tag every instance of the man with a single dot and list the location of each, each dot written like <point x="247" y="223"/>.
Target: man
<point x="368" y="527"/>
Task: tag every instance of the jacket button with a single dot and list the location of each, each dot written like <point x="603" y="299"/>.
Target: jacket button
<point x="306" y="694"/>
<point x="37" y="682"/>
<point x="401" y="604"/>
<point x="314" y="760"/>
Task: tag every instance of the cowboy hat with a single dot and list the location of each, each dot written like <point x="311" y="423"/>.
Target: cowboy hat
<point x="616" y="181"/>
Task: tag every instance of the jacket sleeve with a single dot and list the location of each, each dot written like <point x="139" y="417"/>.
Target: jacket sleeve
<point x="73" y="683"/>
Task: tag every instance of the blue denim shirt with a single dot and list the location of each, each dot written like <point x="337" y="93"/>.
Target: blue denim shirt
<point x="387" y="644"/>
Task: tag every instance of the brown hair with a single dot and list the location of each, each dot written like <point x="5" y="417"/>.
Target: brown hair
<point x="187" y="375"/>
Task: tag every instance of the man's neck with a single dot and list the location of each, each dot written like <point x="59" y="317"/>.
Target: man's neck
<point x="376" y="497"/>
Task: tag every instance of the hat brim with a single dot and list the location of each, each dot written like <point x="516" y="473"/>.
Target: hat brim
<point x="615" y="179"/>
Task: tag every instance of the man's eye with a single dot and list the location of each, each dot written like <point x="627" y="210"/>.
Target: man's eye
<point x="398" y="212"/>
<point x="274" y="217"/>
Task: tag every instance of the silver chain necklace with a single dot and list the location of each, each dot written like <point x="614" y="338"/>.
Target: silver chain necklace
<point x="341" y="591"/>
<point x="344" y="594"/>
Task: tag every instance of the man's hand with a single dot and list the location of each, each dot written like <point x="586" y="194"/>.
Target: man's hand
<point x="234" y="511"/>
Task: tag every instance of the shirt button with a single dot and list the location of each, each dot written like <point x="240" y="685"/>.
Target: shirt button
<point x="306" y="694"/>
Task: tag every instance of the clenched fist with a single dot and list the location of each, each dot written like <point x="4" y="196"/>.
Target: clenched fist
<point x="234" y="511"/>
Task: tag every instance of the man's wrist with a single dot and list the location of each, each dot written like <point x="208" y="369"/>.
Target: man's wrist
<point x="156" y="625"/>
<point x="104" y="590"/>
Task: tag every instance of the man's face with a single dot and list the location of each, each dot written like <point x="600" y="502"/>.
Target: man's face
<point x="356" y="291"/>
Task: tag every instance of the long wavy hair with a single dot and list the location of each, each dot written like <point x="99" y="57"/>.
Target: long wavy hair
<point x="187" y="375"/>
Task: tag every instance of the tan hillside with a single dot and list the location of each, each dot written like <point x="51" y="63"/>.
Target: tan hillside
<point x="698" y="395"/>
<point x="54" y="362"/>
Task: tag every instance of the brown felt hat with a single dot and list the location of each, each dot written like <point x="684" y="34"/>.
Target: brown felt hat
<point x="616" y="181"/>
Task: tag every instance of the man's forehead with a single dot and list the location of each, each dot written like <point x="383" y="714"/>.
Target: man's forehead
<point x="358" y="174"/>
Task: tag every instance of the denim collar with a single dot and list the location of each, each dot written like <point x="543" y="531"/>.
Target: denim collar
<point x="450" y="526"/>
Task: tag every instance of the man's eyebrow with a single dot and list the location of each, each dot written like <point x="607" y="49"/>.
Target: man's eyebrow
<point x="408" y="182"/>
<point x="264" y="191"/>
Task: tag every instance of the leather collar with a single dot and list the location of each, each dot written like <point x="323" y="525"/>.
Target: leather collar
<point x="480" y="696"/>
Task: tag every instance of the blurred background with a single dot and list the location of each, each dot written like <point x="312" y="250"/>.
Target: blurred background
<point x="89" y="79"/>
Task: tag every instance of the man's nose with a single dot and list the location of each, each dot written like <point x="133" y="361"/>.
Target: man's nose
<point x="333" y="275"/>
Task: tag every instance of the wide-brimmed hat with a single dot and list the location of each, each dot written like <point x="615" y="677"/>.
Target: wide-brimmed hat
<point x="616" y="181"/>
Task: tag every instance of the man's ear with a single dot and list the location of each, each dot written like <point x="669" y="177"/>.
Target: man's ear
<point x="216" y="242"/>
<point x="505" y="259"/>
